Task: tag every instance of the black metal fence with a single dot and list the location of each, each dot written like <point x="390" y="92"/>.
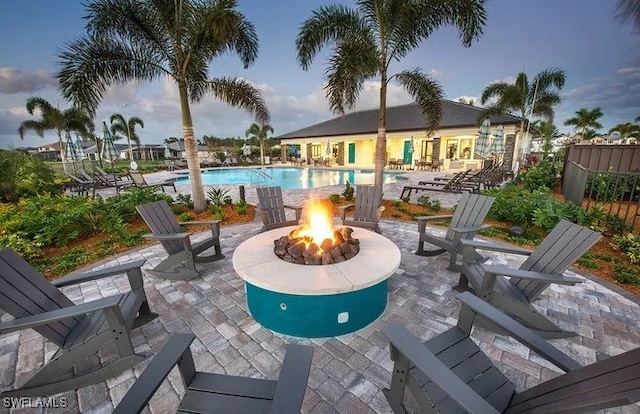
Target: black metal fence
<point x="612" y="197"/>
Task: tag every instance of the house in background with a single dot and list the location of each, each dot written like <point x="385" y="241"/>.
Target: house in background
<point x="351" y="138"/>
<point x="178" y="151"/>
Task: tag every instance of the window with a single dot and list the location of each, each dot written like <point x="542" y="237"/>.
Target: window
<point x="316" y="150"/>
<point x="452" y="148"/>
<point x="466" y="145"/>
<point x="426" y="150"/>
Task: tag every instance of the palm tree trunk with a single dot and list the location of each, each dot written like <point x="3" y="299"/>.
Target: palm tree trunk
<point x="381" y="141"/>
<point x="197" y="191"/>
<point x="64" y="166"/>
<point x="261" y="150"/>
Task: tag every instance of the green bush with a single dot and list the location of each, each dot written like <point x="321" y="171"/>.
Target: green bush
<point x="241" y="207"/>
<point x="406" y="199"/>
<point x="227" y="200"/>
<point x="348" y="191"/>
<point x="542" y="175"/>
<point x="605" y="187"/>
<point x="626" y="275"/>
<point x="629" y="245"/>
<point x="23" y="175"/>
<point x="334" y="198"/>
<point x="185" y="199"/>
<point x="395" y="203"/>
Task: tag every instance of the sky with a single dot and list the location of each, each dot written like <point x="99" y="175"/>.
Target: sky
<point x="600" y="57"/>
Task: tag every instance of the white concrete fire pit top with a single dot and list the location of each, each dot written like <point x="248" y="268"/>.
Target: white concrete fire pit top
<point x="256" y="263"/>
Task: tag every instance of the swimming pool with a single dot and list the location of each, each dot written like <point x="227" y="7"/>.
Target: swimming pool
<point x="287" y="178"/>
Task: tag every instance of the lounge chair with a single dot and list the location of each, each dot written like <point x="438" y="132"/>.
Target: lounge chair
<point x="139" y="181"/>
<point x="451" y="374"/>
<point x="79" y="331"/>
<point x="104" y="181"/>
<point x="183" y="255"/>
<point x="367" y="209"/>
<point x="112" y="176"/>
<point x="513" y="290"/>
<point x="272" y="209"/>
<point x="82" y="185"/>
<point x="465" y="222"/>
<point x="221" y="394"/>
<point x="453" y="185"/>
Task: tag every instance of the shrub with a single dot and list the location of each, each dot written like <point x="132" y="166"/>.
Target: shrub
<point x="629" y="245"/>
<point x="334" y="198"/>
<point x="186" y="200"/>
<point x="626" y="275"/>
<point x="541" y="175"/>
<point x="185" y="217"/>
<point x="605" y="187"/>
<point x="241" y="208"/>
<point x="395" y="203"/>
<point x="23" y="175"/>
<point x="217" y="196"/>
<point x="406" y="199"/>
<point x="227" y="200"/>
<point x="348" y="191"/>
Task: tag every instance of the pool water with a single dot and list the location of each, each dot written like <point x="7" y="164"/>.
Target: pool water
<point x="288" y="178"/>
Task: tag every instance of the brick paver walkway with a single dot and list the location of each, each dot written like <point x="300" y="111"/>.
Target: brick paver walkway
<point x="349" y="371"/>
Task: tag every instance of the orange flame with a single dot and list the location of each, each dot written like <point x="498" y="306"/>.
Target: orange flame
<point x="317" y="223"/>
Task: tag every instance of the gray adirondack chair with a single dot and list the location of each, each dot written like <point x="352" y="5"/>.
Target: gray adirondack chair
<point x="465" y="222"/>
<point x="79" y="330"/>
<point x="450" y="374"/>
<point x="272" y="209"/>
<point x="183" y="255"/>
<point x="367" y="209"/>
<point x="221" y="394"/>
<point x="513" y="290"/>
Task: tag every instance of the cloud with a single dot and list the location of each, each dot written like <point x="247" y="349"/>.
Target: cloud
<point x="434" y="73"/>
<point x="14" y="81"/>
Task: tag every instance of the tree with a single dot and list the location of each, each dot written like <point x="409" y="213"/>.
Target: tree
<point x="627" y="130"/>
<point x="548" y="131"/>
<point x="259" y="132"/>
<point x="466" y="101"/>
<point x="366" y="39"/>
<point x="145" y="40"/>
<point x="586" y="119"/>
<point x="127" y="129"/>
<point x="628" y="11"/>
<point x="524" y="99"/>
<point x="57" y="120"/>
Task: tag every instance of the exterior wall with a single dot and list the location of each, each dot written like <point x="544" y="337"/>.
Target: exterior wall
<point x="464" y="138"/>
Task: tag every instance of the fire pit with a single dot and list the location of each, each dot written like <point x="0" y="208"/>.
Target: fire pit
<point x="321" y="300"/>
<point x="315" y="242"/>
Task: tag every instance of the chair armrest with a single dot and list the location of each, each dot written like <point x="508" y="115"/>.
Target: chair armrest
<point x="409" y="346"/>
<point x="343" y="210"/>
<point x="496" y="247"/>
<point x="175" y="236"/>
<point x="292" y="382"/>
<point x="524" y="335"/>
<point x="427" y="218"/>
<point x="379" y="212"/>
<point x="60" y="314"/>
<point x="97" y="274"/>
<point x="531" y="275"/>
<point x="199" y="223"/>
<point x="293" y="207"/>
<point x="470" y="229"/>
<point x="154" y="374"/>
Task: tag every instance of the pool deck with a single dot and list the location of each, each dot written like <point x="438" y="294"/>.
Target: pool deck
<point x="348" y="371"/>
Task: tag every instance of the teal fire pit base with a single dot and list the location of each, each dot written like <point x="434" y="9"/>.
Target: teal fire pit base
<point x="316" y="316"/>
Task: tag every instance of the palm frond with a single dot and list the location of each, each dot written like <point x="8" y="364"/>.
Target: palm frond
<point x="492" y="90"/>
<point x="548" y="78"/>
<point x="426" y="92"/>
<point x="89" y="66"/>
<point x="628" y="11"/>
<point x="32" y="125"/>
<point x="41" y="104"/>
<point x="347" y="69"/>
<point x="240" y="93"/>
<point x="329" y="24"/>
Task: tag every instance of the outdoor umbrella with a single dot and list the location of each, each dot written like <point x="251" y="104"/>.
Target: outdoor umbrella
<point x="167" y="152"/>
<point x="80" y="155"/>
<point x="109" y="151"/>
<point x="497" y="146"/>
<point x="69" y="149"/>
<point x="328" y="149"/>
<point x="482" y="143"/>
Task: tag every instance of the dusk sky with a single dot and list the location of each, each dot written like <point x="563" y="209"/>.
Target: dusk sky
<point x="601" y="59"/>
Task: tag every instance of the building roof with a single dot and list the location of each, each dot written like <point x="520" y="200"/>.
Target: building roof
<point x="399" y="118"/>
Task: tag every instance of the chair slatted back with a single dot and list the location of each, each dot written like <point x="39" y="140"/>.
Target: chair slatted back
<point x="566" y="243"/>
<point x="470" y="212"/>
<point x="25" y="292"/>
<point x="368" y="200"/>
<point x="270" y="200"/>
<point x="612" y="382"/>
<point x="162" y="221"/>
<point x="138" y="179"/>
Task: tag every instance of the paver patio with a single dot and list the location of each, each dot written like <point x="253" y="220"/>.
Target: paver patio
<point x="348" y="371"/>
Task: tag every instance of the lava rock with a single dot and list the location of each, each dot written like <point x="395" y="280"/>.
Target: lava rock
<point x="516" y="231"/>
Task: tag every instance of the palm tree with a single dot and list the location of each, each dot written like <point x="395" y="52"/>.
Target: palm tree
<point x="629" y="11"/>
<point x="145" y="40"/>
<point x="547" y="131"/>
<point x="368" y="38"/>
<point x="57" y="120"/>
<point x="119" y="125"/>
<point x="627" y="130"/>
<point x="525" y="98"/>
<point x="586" y="119"/>
<point x="259" y="132"/>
